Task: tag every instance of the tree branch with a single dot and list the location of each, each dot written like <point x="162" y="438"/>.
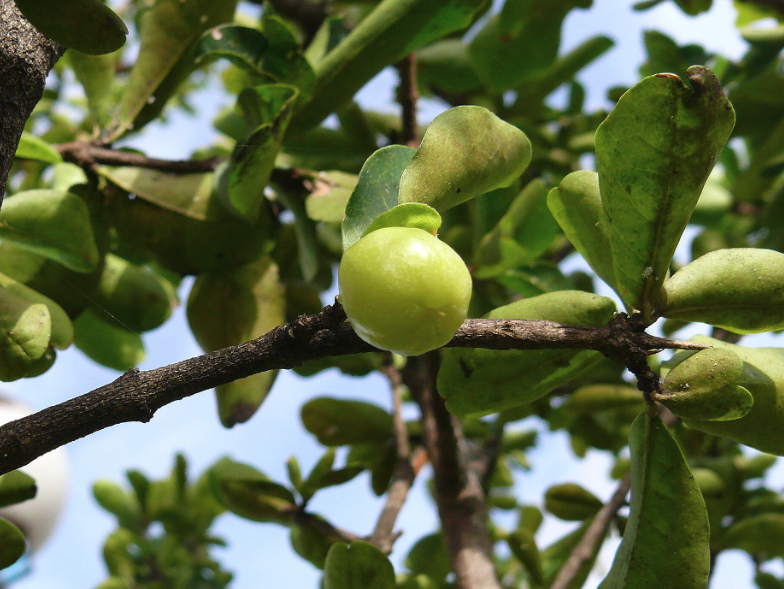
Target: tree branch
<point x="318" y="524"/>
<point x="407" y="97"/>
<point x="459" y="496"/>
<point x="136" y="395"/>
<point x="26" y="58"/>
<point x="586" y="547"/>
<point x="87" y="155"/>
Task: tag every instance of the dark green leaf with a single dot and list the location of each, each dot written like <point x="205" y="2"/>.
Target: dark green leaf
<point x="667" y="535"/>
<point x="16" y="487"/>
<point x="89" y="26"/>
<point x="106" y="342"/>
<point x="243" y="46"/>
<point x="96" y="74"/>
<point x="376" y="191"/>
<point x="522" y="544"/>
<point x="12" y="544"/>
<point x="570" y="502"/>
<point x="757" y="535"/>
<point x="338" y="422"/>
<point x="654" y="153"/>
<point x="429" y="557"/>
<point x="358" y="565"/>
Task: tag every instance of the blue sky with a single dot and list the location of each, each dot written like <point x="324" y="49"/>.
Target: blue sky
<point x="260" y="554"/>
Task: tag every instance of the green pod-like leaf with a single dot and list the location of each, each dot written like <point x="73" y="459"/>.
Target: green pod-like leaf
<point x="12" y="543"/>
<point x="337" y="422"/>
<point x="53" y="224"/>
<point x="465" y="152"/>
<point x="118" y="502"/>
<point x="523" y="545"/>
<point x="96" y="74"/>
<point x="666" y="539"/>
<point x="577" y="206"/>
<point x="118" y="561"/>
<point x="89" y="26"/>
<point x="25" y="333"/>
<point x="16" y="487"/>
<point x="230" y="308"/>
<point x="478" y="382"/>
<point x="62" y="329"/>
<point x="708" y="482"/>
<point x="312" y="545"/>
<point x="763" y="377"/>
<point x="702" y="387"/>
<point x="106" y="342"/>
<point x="358" y="565"/>
<point x="571" y="502"/>
<point x="429" y="557"/>
<point x="654" y="153"/>
<point x="759" y="534"/>
<point x="591" y="398"/>
<point x="34" y="148"/>
<point x="740" y="290"/>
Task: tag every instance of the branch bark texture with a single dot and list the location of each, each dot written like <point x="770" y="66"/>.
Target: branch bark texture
<point x="26" y="57"/>
<point x="136" y="395"/>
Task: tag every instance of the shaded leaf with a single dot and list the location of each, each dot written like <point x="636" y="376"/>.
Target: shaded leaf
<point x="571" y="502"/>
<point x="522" y="544"/>
<point x="666" y="508"/>
<point x="331" y="191"/>
<point x="118" y="502"/>
<point x="376" y="191"/>
<point x="16" y="487"/>
<point x="53" y="224"/>
<point x="25" y="331"/>
<point x="740" y="290"/>
<point x="12" y="543"/>
<point x="106" y="342"/>
<point x="477" y="382"/>
<point x="654" y="153"/>
<point x="358" y="565"/>
<point x="591" y="398"/>
<point x="555" y="556"/>
<point x="466" y="151"/>
<point x="337" y="422"/>
<point x="429" y="557"/>
<point x="231" y="308"/>
<point x="243" y="46"/>
<point x="96" y="74"/>
<point x="89" y="26"/>
<point x="760" y="534"/>
<point x="310" y="544"/>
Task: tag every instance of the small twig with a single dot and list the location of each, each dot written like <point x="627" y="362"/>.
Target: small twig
<point x="87" y="156"/>
<point x="404" y="473"/>
<point x="314" y="522"/>
<point x="407" y="97"/>
<point x="584" y="551"/>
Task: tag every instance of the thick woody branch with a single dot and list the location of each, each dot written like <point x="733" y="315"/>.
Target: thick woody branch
<point x="136" y="395"/>
<point x="26" y="57"/>
<point x="594" y="535"/>
<point x="459" y="495"/>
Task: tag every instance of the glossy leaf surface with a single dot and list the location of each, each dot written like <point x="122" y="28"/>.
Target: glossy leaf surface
<point x="666" y="507"/>
<point x="654" y="153"/>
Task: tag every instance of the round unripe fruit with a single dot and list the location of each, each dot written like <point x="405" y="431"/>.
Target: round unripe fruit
<point x="403" y="290"/>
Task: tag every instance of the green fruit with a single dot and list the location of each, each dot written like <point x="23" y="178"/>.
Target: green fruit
<point x="404" y="290"/>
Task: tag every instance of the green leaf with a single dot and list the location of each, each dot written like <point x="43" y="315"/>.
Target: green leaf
<point x="466" y="151"/>
<point x="230" y="308"/>
<point x="96" y="74"/>
<point x="555" y="556"/>
<point x="62" y="329"/>
<point x="757" y="535"/>
<point x="16" y="487"/>
<point x="571" y="502"/>
<point x="245" y="491"/>
<point x="577" y="206"/>
<point x="86" y="25"/>
<point x="53" y="224"/>
<point x="376" y="191"/>
<point x="310" y="544"/>
<point x="524" y="233"/>
<point x="408" y="215"/>
<point x="394" y="29"/>
<point x="358" y="565"/>
<point x="12" y="543"/>
<point x="654" y="153"/>
<point x="445" y="66"/>
<point x="478" y="382"/>
<point x="694" y="7"/>
<point x="530" y="28"/>
<point x="242" y="46"/>
<point x="429" y="557"/>
<point x="168" y="31"/>
<point x="337" y="422"/>
<point x="119" y="503"/>
<point x="591" y="398"/>
<point x="106" y="342"/>
<point x="763" y="377"/>
<point x="330" y="196"/>
<point x="667" y="535"/>
<point x="523" y="545"/>
<point x="25" y="332"/>
<point x="187" y="230"/>
<point x="253" y="160"/>
<point x="116" y="555"/>
<point x="136" y="296"/>
<point x="34" y="148"/>
<point x="284" y="61"/>
<point x="740" y="290"/>
<point x="702" y="387"/>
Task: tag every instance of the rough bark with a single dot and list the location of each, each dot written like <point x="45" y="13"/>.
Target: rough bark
<point x="26" y="57"/>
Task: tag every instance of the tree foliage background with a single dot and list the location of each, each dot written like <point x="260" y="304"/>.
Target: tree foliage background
<point x="119" y="230"/>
